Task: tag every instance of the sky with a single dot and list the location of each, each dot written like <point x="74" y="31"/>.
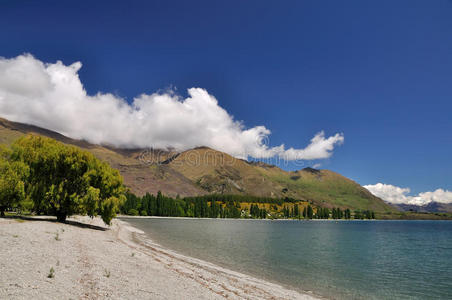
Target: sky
<point x="363" y="88"/>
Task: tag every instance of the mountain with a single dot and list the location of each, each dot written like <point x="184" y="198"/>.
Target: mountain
<point x="432" y="207"/>
<point x="203" y="170"/>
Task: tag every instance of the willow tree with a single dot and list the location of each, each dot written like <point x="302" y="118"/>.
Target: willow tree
<point x="65" y="180"/>
<point x="12" y="177"/>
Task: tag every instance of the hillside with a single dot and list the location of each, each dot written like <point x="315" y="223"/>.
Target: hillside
<point x="203" y="170"/>
<point x="140" y="171"/>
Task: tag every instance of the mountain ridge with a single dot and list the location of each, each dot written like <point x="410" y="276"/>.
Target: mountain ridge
<point x="432" y="207"/>
<point x="203" y="170"/>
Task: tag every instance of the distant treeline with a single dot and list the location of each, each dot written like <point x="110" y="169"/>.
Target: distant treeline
<point x="325" y="213"/>
<point x="229" y="206"/>
<point x="214" y="206"/>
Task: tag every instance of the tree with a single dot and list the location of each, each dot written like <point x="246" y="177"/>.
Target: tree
<point x="348" y="213"/>
<point x="214" y="210"/>
<point x="359" y="214"/>
<point x="12" y="186"/>
<point x="296" y="211"/>
<point x="286" y="212"/>
<point x="310" y="212"/>
<point x="263" y="213"/>
<point x="340" y="213"/>
<point x="65" y="180"/>
<point x="326" y="213"/>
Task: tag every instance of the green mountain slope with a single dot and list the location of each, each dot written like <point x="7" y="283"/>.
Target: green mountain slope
<point x="203" y="170"/>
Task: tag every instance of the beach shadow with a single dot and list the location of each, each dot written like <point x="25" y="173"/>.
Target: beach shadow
<point x="54" y="220"/>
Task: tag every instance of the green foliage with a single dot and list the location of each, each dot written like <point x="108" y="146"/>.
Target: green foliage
<point x="323" y="213"/>
<point x="12" y="177"/>
<point x="51" y="273"/>
<point x="224" y="206"/>
<point x="364" y="214"/>
<point x="64" y="180"/>
<point x="150" y="205"/>
<point x="347" y="214"/>
<point x="257" y="212"/>
<point x="296" y="211"/>
<point x="90" y="201"/>
<point x="211" y="206"/>
<point x="133" y="212"/>
<point x="339" y="213"/>
<point x="310" y="212"/>
<point x="336" y="213"/>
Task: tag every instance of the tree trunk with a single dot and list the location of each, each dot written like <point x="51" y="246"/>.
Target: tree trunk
<point x="2" y="211"/>
<point x="61" y="217"/>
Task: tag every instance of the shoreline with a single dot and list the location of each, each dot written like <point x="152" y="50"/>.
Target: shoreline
<point x="279" y="220"/>
<point x="139" y="238"/>
<point x="117" y="262"/>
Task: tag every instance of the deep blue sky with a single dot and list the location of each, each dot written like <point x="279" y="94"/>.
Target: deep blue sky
<point x="378" y="71"/>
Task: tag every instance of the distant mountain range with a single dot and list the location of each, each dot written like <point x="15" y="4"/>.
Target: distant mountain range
<point x="203" y="170"/>
<point x="431" y="207"/>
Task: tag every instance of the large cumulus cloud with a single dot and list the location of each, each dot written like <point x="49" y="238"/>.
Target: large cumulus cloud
<point x="51" y="95"/>
<point x="398" y="195"/>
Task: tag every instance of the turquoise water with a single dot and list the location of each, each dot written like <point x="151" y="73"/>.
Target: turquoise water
<point x="341" y="260"/>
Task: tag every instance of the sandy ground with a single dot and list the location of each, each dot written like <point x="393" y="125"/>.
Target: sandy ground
<point x="117" y="262"/>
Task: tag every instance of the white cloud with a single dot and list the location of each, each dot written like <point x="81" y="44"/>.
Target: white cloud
<point x="51" y="95"/>
<point x="398" y="195"/>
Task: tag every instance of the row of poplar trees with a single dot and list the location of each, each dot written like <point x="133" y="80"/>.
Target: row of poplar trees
<point x="213" y="206"/>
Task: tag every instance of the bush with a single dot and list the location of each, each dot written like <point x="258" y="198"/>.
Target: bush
<point x="133" y="212"/>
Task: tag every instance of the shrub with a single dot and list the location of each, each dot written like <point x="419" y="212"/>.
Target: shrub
<point x="51" y="273"/>
<point x="133" y="212"/>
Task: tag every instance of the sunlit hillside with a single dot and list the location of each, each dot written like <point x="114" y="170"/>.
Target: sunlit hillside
<point x="203" y="170"/>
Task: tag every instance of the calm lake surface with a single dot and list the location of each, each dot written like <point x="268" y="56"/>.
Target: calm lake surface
<point x="341" y="260"/>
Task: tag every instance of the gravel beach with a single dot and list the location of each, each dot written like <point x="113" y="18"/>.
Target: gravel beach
<point x="43" y="259"/>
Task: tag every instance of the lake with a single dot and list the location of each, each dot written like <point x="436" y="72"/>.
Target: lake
<point x="341" y="260"/>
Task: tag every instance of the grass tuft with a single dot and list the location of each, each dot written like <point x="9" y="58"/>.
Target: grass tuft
<point x="51" y="273"/>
